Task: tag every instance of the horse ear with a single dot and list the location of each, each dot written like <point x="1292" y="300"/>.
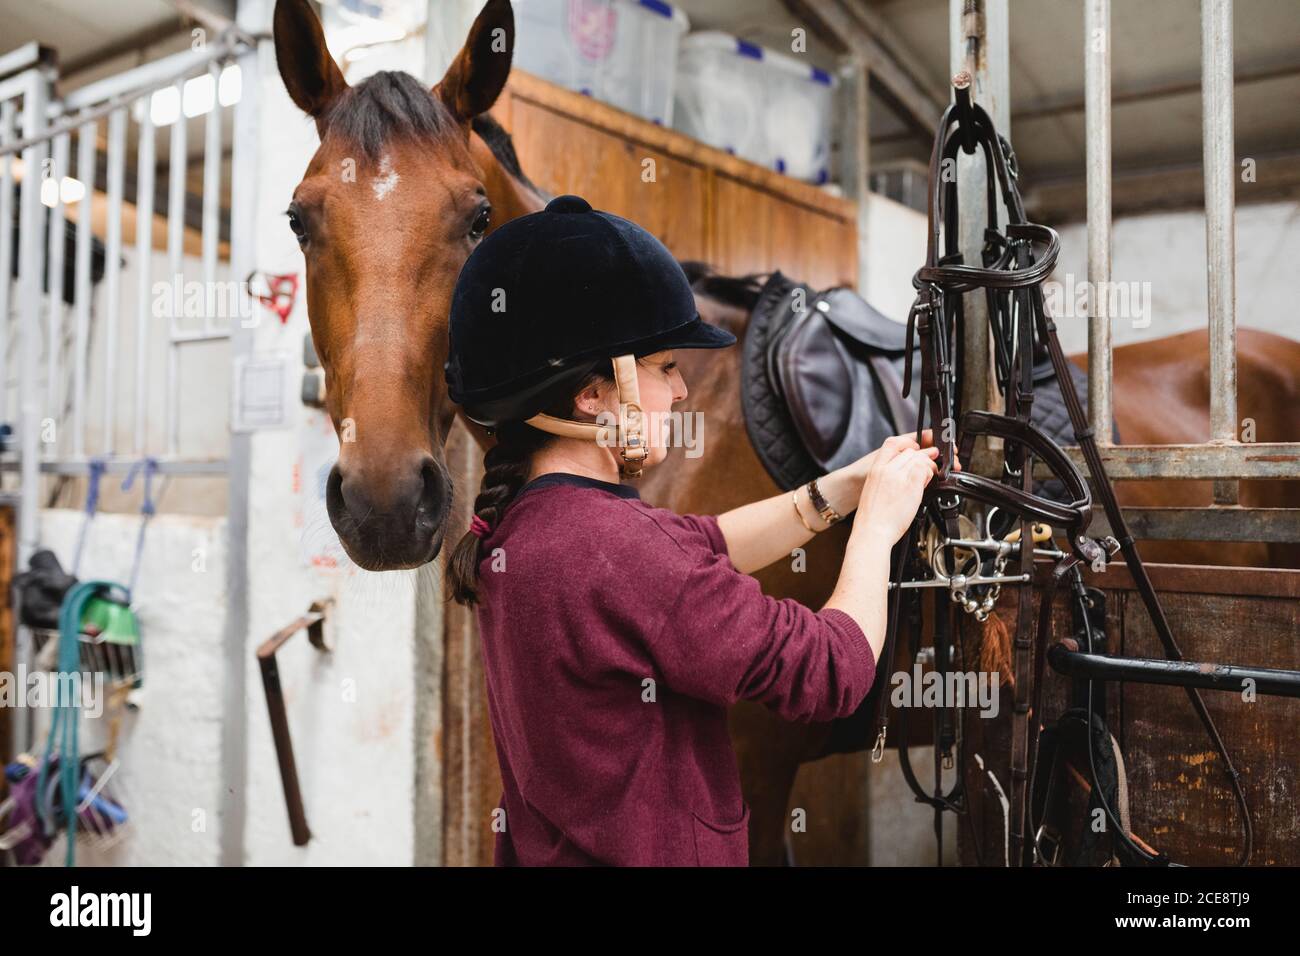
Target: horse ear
<point x="309" y="72"/>
<point x="478" y="74"/>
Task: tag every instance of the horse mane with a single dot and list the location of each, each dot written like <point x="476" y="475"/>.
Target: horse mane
<point x="503" y="149"/>
<point x="739" y="291"/>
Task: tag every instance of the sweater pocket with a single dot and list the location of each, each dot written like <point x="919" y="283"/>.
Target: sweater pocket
<point x="721" y="844"/>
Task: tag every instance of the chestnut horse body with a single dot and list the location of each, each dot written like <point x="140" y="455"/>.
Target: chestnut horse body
<point x="431" y="174"/>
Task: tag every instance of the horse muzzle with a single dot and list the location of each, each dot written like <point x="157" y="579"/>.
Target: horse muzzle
<point x="391" y="520"/>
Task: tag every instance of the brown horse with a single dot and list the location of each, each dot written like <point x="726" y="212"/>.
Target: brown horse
<point x="1162" y="396"/>
<point x="433" y="173"/>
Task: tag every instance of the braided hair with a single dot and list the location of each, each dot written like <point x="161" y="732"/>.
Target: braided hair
<point x="505" y="471"/>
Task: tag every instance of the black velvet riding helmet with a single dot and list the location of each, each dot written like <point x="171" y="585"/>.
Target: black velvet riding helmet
<point x="549" y="297"/>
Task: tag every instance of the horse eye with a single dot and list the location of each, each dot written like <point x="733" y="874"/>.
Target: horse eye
<point x="481" y="222"/>
<point x="299" y="230"/>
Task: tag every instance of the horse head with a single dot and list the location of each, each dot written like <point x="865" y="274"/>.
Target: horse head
<point x="405" y="182"/>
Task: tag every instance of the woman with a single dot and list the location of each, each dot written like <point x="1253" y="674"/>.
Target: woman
<point x="615" y="634"/>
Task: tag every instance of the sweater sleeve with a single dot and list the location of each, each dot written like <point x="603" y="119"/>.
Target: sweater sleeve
<point x="708" y="526"/>
<point x="724" y="640"/>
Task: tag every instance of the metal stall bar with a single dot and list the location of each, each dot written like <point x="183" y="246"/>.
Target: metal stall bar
<point x="243" y="244"/>
<point x="7" y="110"/>
<point x="1220" y="224"/>
<point x="143" y="266"/>
<point x="1066" y="658"/>
<point x="175" y="266"/>
<point x="112" y="268"/>
<point x="1098" y="150"/>
<point x="980" y="46"/>
<point x="30" y="272"/>
<point x="313" y="622"/>
<point x="211" y="189"/>
<point x="86" y="150"/>
<point x="58" y="240"/>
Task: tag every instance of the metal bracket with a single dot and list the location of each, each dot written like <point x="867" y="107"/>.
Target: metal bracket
<point x="313" y="622"/>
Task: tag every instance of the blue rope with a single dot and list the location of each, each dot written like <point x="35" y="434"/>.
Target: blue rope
<point x="97" y="468"/>
<point x="150" y="467"/>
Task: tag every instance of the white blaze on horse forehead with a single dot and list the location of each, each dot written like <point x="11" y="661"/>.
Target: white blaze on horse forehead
<point x="386" y="181"/>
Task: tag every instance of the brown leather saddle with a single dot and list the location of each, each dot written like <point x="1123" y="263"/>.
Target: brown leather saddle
<point x="822" y="378"/>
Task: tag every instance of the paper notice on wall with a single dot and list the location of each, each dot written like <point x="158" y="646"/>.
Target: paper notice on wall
<point x="260" y="396"/>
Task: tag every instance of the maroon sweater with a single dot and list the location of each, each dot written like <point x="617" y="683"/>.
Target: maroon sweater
<point x="615" y="635"/>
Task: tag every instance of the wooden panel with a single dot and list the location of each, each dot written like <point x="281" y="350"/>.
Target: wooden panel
<point x="8" y="650"/>
<point x="472" y="782"/>
<point x="757" y="231"/>
<point x="1180" y="799"/>
<point x="628" y="128"/>
<point x="568" y="156"/>
<point x="1186" y="804"/>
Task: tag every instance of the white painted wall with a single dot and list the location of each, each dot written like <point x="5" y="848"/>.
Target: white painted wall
<point x="1167" y="250"/>
<point x="891" y="247"/>
<point x="171" y="772"/>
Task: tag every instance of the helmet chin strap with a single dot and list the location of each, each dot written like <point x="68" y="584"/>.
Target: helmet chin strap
<point x="631" y="421"/>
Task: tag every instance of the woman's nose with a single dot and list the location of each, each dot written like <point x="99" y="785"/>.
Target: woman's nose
<point x="679" y="387"/>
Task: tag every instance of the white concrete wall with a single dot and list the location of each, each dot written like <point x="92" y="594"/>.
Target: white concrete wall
<point x="170" y="776"/>
<point x="1167" y="250"/>
<point x="891" y="247"/>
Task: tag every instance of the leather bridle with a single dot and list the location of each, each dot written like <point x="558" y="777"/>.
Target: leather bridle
<point x="1015" y="262"/>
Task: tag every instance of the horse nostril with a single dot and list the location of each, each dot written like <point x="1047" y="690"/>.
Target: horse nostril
<point x="334" y="491"/>
<point x="432" y="490"/>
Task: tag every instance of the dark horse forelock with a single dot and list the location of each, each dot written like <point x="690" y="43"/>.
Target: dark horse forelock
<point x="386" y="106"/>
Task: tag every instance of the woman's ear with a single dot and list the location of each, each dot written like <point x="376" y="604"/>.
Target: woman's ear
<point x="590" y="401"/>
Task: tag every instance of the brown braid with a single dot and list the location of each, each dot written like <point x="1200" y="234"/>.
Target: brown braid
<point x="505" y="470"/>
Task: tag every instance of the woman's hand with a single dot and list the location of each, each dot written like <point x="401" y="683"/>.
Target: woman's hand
<point x="859" y="470"/>
<point x="892" y="492"/>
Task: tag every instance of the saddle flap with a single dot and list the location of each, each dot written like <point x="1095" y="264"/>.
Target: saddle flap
<point x="817" y="383"/>
<point x="854" y="316"/>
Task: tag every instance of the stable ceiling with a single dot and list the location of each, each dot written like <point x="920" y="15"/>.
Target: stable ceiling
<point x="1156" y="70"/>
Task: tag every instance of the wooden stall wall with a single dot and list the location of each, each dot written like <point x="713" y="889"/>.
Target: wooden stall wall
<point x="8" y="647"/>
<point x="703" y="204"/>
<point x="1179" y="796"/>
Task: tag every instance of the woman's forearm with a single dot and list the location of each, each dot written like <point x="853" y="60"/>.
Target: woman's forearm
<point x="765" y="531"/>
<point x="862" y="591"/>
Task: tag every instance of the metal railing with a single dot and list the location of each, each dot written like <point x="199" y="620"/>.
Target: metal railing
<point x="62" y="423"/>
<point x="1224" y="458"/>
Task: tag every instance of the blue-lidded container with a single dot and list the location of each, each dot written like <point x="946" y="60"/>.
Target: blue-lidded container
<point x="622" y="52"/>
<point x="771" y="108"/>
